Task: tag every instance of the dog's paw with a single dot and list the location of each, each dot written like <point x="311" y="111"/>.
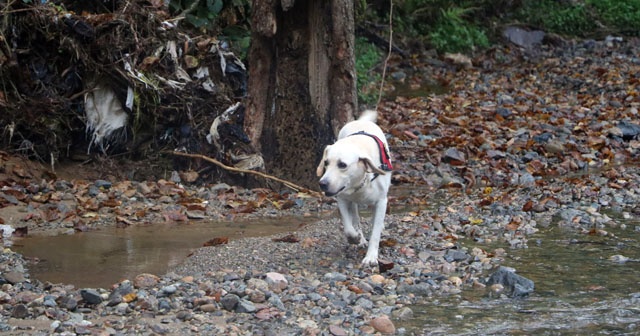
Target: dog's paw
<point x="357" y="238"/>
<point x="370" y="260"/>
<point x="353" y="239"/>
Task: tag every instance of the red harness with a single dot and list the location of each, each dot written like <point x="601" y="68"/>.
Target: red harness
<point x="384" y="153"/>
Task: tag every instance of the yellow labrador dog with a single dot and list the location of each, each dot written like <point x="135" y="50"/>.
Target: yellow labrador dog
<point x="356" y="169"/>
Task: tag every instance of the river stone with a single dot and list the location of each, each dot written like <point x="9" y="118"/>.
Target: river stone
<point x="170" y="289"/>
<point x="403" y="314"/>
<point x="334" y="276"/>
<point x="276" y="281"/>
<point x="625" y="130"/>
<point x="208" y="307"/>
<point x="90" y="296"/>
<point x="245" y="306"/>
<point x="422" y="289"/>
<point x="383" y="325"/>
<point x="275" y="301"/>
<point x="455" y="255"/>
<point x="522" y="37"/>
<point x="337" y="331"/>
<point x="230" y="301"/>
<point x="103" y="184"/>
<point x="259" y="284"/>
<point x="146" y="280"/>
<point x="453" y="156"/>
<point x="19" y="311"/>
<point x="14" y="277"/>
<point x="364" y="303"/>
<point x="515" y="285"/>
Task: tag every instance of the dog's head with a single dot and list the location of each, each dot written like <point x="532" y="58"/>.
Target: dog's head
<point x="343" y="168"/>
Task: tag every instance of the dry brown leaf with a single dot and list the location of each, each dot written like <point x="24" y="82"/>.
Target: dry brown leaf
<point x="216" y="241"/>
<point x="290" y="238"/>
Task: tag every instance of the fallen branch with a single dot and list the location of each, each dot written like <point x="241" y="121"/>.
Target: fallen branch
<point x="291" y="185"/>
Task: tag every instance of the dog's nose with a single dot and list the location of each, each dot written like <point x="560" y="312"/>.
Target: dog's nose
<point x="324" y="185"/>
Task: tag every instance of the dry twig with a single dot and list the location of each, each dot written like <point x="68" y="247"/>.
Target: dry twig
<point x="289" y="184"/>
<point x="386" y="60"/>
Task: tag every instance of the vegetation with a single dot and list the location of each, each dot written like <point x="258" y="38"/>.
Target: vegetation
<point x="368" y="57"/>
<point x="582" y="18"/>
<point x="452" y="33"/>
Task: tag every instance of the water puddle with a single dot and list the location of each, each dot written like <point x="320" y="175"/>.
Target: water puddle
<point x="102" y="258"/>
<point x="579" y="290"/>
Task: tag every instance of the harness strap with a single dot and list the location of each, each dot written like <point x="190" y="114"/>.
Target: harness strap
<point x="384" y="153"/>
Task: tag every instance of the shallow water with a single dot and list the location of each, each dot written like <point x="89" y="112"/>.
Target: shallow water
<point x="578" y="290"/>
<point x="102" y="258"/>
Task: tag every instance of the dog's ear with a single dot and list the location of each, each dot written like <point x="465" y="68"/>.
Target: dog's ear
<point x="371" y="167"/>
<point x="320" y="169"/>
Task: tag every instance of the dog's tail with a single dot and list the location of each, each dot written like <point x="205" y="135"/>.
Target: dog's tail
<point x="369" y="115"/>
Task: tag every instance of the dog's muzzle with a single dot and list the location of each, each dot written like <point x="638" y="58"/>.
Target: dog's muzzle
<point x="324" y="186"/>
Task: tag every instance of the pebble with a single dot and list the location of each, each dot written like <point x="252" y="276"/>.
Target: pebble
<point x="383" y="325"/>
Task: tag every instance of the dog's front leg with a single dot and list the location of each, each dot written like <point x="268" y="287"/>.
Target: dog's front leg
<point x="351" y="222"/>
<point x="371" y="258"/>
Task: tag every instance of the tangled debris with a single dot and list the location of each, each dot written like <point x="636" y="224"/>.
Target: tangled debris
<point x="112" y="77"/>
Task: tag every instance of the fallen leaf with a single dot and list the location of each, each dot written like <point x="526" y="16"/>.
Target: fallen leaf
<point x="390" y="242"/>
<point x="290" y="238"/>
<point x="216" y="241"/>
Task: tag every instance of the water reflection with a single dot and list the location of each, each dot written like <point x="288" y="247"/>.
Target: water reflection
<point x="578" y="290"/>
<point x="102" y="258"/>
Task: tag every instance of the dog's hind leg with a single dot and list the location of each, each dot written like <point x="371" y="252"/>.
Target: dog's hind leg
<point x="351" y="222"/>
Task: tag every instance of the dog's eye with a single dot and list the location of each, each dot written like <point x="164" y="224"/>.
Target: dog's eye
<point x="342" y="165"/>
<point x="326" y="163"/>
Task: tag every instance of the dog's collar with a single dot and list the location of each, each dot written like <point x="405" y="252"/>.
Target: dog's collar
<point x="384" y="152"/>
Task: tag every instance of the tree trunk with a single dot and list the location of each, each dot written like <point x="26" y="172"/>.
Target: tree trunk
<point x="302" y="85"/>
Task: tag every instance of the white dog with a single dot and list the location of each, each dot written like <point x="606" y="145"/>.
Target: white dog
<point x="356" y="169"/>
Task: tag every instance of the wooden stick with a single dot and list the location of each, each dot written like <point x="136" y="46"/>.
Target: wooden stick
<point x="238" y="170"/>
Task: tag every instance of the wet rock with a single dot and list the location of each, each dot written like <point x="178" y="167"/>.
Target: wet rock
<point x="403" y="314"/>
<point x="515" y="285"/>
<point x="423" y="289"/>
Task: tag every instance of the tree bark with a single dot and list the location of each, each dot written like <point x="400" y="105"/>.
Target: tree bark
<point x="302" y="85"/>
